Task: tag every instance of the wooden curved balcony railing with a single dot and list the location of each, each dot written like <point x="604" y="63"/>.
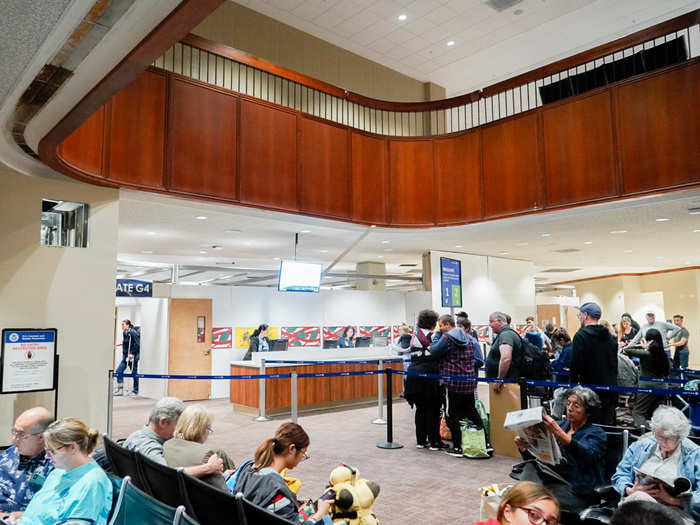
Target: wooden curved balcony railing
<point x="210" y="122"/>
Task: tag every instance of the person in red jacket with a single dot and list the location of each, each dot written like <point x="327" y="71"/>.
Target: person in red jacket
<point x="526" y="503"/>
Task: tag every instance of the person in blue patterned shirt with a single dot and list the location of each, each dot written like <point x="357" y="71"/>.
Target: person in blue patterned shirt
<point x="24" y="466"/>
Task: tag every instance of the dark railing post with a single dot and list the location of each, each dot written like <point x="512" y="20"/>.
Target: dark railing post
<point x="523" y="393"/>
<point x="389" y="443"/>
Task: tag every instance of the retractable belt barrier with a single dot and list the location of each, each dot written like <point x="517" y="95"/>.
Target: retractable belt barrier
<point x="366" y="362"/>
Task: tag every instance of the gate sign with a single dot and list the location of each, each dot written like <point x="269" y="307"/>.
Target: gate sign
<point x="134" y="288"/>
<point x="28" y="357"/>
<point x="451" y="282"/>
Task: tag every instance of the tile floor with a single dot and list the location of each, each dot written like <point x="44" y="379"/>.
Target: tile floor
<point x="417" y="486"/>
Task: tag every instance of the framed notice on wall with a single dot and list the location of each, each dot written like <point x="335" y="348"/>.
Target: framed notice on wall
<point x="28" y="356"/>
<point x="451" y="282"/>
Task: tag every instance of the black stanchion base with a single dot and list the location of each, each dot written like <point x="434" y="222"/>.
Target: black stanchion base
<point x="389" y="444"/>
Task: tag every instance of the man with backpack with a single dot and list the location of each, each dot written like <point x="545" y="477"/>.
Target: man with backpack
<point x="594" y="359"/>
<point x="505" y="355"/>
<point x="454" y="350"/>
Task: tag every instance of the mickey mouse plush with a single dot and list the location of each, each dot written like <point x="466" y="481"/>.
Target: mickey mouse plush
<point x="354" y="497"/>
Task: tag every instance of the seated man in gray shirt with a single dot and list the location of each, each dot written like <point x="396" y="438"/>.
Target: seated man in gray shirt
<point x="661" y="326"/>
<point x="149" y="439"/>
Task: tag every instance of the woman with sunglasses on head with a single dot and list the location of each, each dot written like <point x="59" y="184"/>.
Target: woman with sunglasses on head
<point x="77" y="489"/>
<point x="261" y="480"/>
<point x="187" y="447"/>
<point x="526" y="503"/>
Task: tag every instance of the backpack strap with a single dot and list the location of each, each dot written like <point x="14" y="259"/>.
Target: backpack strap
<point x="423" y="339"/>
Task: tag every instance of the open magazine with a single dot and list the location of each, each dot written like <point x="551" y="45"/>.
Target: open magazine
<point x="541" y="442"/>
<point x="674" y="486"/>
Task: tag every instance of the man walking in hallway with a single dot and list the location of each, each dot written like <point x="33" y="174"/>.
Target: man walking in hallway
<point x="131" y="353"/>
<point x="594" y="359"/>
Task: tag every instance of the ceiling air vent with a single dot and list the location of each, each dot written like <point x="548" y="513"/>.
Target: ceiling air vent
<point x="567" y="250"/>
<point x="561" y="270"/>
<point x="502" y="5"/>
<point x="408" y="265"/>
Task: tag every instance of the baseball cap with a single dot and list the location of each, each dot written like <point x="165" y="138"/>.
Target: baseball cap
<point x="591" y="309"/>
<point x="651" y="313"/>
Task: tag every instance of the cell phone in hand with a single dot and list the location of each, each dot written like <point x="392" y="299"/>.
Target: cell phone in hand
<point x="329" y="495"/>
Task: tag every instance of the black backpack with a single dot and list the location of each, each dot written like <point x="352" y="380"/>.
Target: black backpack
<point x="534" y="361"/>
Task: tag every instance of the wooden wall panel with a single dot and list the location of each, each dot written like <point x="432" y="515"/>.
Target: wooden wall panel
<point x="511" y="166"/>
<point x="578" y="150"/>
<point x="412" y="182"/>
<point x="370" y="185"/>
<point x="458" y="178"/>
<point x="659" y="130"/>
<point x="137" y="134"/>
<point x="201" y="140"/>
<point x="83" y="148"/>
<point x="324" y="169"/>
<point x="267" y="156"/>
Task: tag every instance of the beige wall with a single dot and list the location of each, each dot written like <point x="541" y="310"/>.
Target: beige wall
<point x="264" y="37"/>
<point x="71" y="289"/>
<point x="681" y="290"/>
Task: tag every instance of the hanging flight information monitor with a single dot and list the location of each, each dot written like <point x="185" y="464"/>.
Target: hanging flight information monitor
<point x="451" y="282"/>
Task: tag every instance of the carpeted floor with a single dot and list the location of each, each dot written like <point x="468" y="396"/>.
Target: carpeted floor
<point x="417" y="486"/>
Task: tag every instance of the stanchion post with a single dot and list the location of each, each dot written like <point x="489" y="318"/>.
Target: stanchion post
<point x="523" y="393"/>
<point x="380" y="396"/>
<point x="262" y="416"/>
<point x="295" y="399"/>
<point x="389" y="443"/>
<point x="110" y="401"/>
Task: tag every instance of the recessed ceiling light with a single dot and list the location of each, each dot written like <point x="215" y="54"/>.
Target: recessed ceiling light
<point x="521" y="243"/>
<point x="402" y="17"/>
<point x="696" y="231"/>
<point x="151" y="233"/>
<point x="275" y="258"/>
<point x="248" y="243"/>
<point x="323" y="251"/>
<point x="201" y="217"/>
<point x="202" y="251"/>
<point x="546" y="235"/>
<point x="146" y="251"/>
<point x="380" y="256"/>
<point x="503" y="253"/>
<point x="386" y="242"/>
<point x="628" y="251"/>
<point x="458" y="246"/>
<point x="617" y="232"/>
<point x="232" y="231"/>
<point x="587" y="242"/>
<point x="659" y="257"/>
<point x="373" y="226"/>
<point x="305" y="231"/>
<point x="663" y="219"/>
<point x="450" y="43"/>
<point x="388" y="250"/>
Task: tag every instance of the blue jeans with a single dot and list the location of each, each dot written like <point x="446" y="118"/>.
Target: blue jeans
<point x="134" y="369"/>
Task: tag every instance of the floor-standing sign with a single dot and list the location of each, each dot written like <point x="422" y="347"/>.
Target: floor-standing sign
<point x="451" y="282"/>
<point x="28" y="361"/>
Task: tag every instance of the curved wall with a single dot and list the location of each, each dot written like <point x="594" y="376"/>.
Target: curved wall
<point x="170" y="134"/>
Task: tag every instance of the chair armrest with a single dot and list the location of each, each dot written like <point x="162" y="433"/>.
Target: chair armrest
<point x="607" y="493"/>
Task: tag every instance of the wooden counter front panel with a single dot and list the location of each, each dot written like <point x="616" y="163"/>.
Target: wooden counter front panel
<point x="201" y="140"/>
<point x="244" y="391"/>
<point x="412" y="183"/>
<point x="458" y="178"/>
<point x="83" y="148"/>
<point x="267" y="153"/>
<point x="578" y="150"/>
<point x="137" y="132"/>
<point x="324" y="169"/>
<point x="659" y="130"/>
<point x="511" y="166"/>
<point x="370" y="181"/>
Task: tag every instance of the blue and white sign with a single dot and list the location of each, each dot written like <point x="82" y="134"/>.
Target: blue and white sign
<point x="134" y="288"/>
<point x="451" y="282"/>
<point x="28" y="357"/>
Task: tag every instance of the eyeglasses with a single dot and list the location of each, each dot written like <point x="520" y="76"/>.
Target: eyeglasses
<point x="535" y="517"/>
<point x="304" y="456"/>
<point x="210" y="431"/>
<point x="20" y="434"/>
<point x="52" y="452"/>
<point x="666" y="439"/>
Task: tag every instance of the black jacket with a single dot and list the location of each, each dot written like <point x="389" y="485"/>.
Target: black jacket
<point x="131" y="343"/>
<point x="253" y="346"/>
<point x="594" y="359"/>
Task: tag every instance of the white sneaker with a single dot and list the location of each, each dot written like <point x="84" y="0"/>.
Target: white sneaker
<point x="118" y="391"/>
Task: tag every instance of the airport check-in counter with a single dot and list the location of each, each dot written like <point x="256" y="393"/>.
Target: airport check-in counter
<point x="312" y="392"/>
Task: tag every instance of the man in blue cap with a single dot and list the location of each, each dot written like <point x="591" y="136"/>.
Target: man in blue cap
<point x="594" y="359"/>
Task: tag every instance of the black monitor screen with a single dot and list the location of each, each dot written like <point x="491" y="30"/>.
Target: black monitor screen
<point x="362" y="341"/>
<point x="330" y="343"/>
<point x="278" y="345"/>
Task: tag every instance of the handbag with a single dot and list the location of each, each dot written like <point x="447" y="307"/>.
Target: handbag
<point x="491" y="497"/>
<point x="444" y="429"/>
<point x="473" y="441"/>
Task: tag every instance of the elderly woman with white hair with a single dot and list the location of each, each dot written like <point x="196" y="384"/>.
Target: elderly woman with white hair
<point x="583" y="446"/>
<point x="651" y="466"/>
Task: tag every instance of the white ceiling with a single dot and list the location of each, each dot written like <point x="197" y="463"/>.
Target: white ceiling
<point x="488" y="45"/>
<point x="168" y="227"/>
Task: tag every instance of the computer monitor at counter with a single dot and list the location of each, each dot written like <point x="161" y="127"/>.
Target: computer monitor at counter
<point x="330" y="343"/>
<point x="278" y="345"/>
<point x="362" y="341"/>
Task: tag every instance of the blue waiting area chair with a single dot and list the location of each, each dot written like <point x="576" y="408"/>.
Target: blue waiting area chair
<point x="135" y="506"/>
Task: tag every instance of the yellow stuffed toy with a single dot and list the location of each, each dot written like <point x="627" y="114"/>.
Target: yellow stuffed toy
<point x="354" y="497"/>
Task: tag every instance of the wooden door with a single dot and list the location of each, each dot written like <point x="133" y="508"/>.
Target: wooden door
<point x="187" y="355"/>
<point x="548" y="313"/>
<point x="572" y="322"/>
